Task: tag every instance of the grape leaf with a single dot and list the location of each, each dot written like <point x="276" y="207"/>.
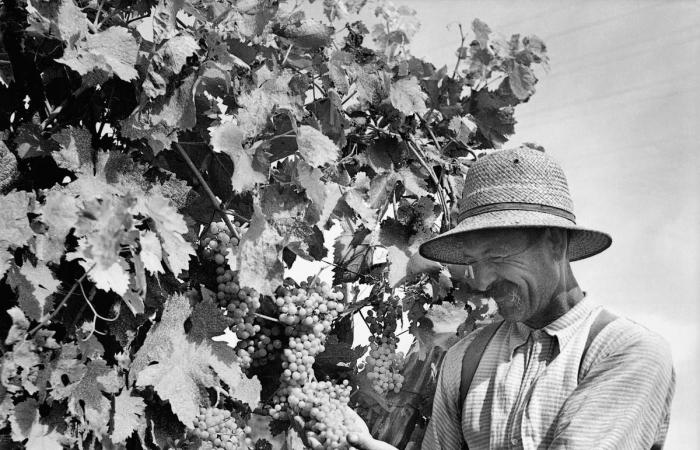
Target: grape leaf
<point x="521" y="80"/>
<point x="128" y="412"/>
<point x="86" y="400"/>
<point x="75" y="152"/>
<point x="66" y="372"/>
<point x="62" y="19"/>
<point x="412" y="182"/>
<point x="228" y="138"/>
<point x="305" y="33"/>
<point x="33" y="286"/>
<point x="26" y="424"/>
<point x="14" y="224"/>
<point x="176" y="50"/>
<point x="60" y="214"/>
<point x="7" y="75"/>
<point x="407" y="96"/>
<point x="258" y="257"/>
<point x="17" y="365"/>
<point x="398" y="262"/>
<point x="170" y="226"/>
<point x="151" y="253"/>
<point x="463" y="128"/>
<point x="273" y="93"/>
<point x="31" y="143"/>
<point x="113" y="51"/>
<point x="106" y="226"/>
<point x="446" y="317"/>
<point x="208" y="321"/>
<point x="177" y="367"/>
<point x="8" y="161"/>
<point x="159" y="121"/>
<point x="309" y="178"/>
<point x="481" y="32"/>
<point x="19" y="327"/>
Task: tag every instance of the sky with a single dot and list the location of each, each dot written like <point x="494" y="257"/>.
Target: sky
<point x="619" y="110"/>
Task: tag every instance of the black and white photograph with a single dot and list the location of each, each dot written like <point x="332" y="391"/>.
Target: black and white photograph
<point x="349" y="224"/>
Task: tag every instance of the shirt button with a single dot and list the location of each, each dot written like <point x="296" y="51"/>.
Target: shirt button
<point x="514" y="441"/>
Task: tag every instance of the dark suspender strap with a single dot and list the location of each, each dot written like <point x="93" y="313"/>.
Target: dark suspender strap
<point x="470" y="362"/>
<point x="603" y="319"/>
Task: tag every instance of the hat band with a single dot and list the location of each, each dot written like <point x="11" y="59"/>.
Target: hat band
<point x="518" y="206"/>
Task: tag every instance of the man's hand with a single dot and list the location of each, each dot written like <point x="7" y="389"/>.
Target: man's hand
<point x="367" y="442"/>
<point x="360" y="439"/>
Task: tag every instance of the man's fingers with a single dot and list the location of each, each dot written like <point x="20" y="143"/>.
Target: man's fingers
<point x="366" y="442"/>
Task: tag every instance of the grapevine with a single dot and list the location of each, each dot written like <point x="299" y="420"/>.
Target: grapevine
<point x="163" y="168"/>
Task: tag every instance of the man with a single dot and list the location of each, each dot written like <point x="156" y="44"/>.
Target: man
<point x="559" y="372"/>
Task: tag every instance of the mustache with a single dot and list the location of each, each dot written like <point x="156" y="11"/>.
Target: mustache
<point x="497" y="289"/>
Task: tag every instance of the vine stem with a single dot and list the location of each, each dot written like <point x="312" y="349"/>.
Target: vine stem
<point x="459" y="56"/>
<point x="263" y="316"/>
<point x="413" y="145"/>
<point x="63" y="302"/>
<point x="214" y="201"/>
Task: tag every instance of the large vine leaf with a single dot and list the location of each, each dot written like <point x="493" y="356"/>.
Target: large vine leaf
<point x="112" y="51"/>
<point x="178" y="368"/>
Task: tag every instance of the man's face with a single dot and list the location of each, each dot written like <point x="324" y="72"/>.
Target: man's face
<point x="517" y="268"/>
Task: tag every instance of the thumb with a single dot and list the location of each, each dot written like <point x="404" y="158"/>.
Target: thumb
<point x="366" y="442"/>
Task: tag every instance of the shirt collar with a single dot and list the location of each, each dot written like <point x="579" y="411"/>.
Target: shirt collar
<point x="566" y="326"/>
<point x="563" y="329"/>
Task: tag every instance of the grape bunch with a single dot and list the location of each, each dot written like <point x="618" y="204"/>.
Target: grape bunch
<point x="299" y="358"/>
<point x="241" y="303"/>
<point x="309" y="309"/>
<point x="384" y="364"/>
<point x="382" y="319"/>
<point x="322" y="407"/>
<point x="216" y="243"/>
<point x="218" y="429"/>
<point x="260" y="348"/>
<point x="307" y="313"/>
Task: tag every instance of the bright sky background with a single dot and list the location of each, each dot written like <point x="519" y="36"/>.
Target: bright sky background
<point x="619" y="110"/>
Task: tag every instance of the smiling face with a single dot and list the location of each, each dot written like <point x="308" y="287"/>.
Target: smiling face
<point x="521" y="269"/>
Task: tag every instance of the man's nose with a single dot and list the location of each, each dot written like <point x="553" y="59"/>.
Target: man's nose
<point x="484" y="276"/>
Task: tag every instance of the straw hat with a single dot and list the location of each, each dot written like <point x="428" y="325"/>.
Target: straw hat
<point x="515" y="188"/>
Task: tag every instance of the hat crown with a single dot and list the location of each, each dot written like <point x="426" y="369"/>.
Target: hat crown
<point x="518" y="176"/>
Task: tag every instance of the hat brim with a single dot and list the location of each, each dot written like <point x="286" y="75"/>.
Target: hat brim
<point x="448" y="247"/>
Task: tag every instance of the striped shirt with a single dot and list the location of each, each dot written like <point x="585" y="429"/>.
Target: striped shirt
<point x="527" y="394"/>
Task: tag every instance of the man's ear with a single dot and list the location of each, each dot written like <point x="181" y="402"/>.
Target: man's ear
<point x="557" y="241"/>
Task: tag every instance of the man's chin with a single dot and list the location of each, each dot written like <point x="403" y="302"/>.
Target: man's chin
<point x="509" y="311"/>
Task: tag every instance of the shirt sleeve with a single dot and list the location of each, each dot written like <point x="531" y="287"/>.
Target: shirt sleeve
<point x="444" y="431"/>
<point x="624" y="400"/>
